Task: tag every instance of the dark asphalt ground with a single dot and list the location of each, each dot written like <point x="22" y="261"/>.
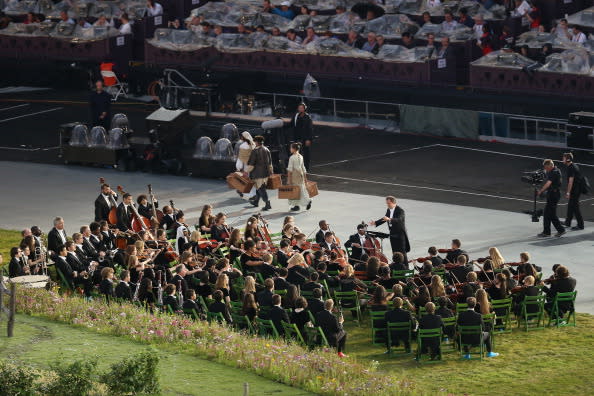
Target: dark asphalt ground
<point x="468" y="173"/>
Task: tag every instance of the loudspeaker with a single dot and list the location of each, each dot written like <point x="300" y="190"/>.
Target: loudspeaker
<point x="169" y="124"/>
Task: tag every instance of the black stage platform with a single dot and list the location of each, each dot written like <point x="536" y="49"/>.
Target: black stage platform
<point x="364" y="161"/>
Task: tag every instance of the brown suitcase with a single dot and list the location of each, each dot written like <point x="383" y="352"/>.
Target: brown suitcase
<point x="237" y="181"/>
<point x="289" y="192"/>
<point x="312" y="188"/>
<point x="274" y="182"/>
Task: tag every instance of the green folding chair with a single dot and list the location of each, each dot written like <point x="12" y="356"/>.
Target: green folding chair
<point x="476" y="331"/>
<point x="349" y="301"/>
<point x="215" y="316"/>
<point x="237" y="264"/>
<point x="312" y="318"/>
<point x="264" y="312"/>
<point x="503" y="320"/>
<point x="242" y="323"/>
<point x="223" y="251"/>
<point x="449" y="323"/>
<point x="402" y="275"/>
<point x="292" y="332"/>
<point x="461" y="307"/>
<point x="378" y="332"/>
<point x="424" y="334"/>
<point x="489" y="323"/>
<point x="393" y="327"/>
<point x="307" y="294"/>
<point x="192" y="313"/>
<point x="266" y="328"/>
<point x="281" y="292"/>
<point x="532" y="320"/>
<point x="316" y="337"/>
<point x="64" y="282"/>
<point x="555" y="316"/>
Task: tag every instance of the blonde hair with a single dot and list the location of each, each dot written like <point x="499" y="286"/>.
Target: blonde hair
<point x="222" y="282"/>
<point x="483" y="300"/>
<point x="397" y="289"/>
<point x="195" y="236"/>
<point x="349" y="271"/>
<point x="296" y="259"/>
<point x="250" y="285"/>
<point x="529" y="280"/>
<point x="267" y="258"/>
<point x="436" y="286"/>
<point x="548" y="162"/>
<point x="139" y="246"/>
<point x="132" y="261"/>
<point x="496" y="258"/>
<point x="105" y="272"/>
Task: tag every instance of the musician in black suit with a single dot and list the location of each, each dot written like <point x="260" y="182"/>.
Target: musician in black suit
<point x="72" y="276"/>
<point x="168" y="218"/>
<point x="320" y="235"/>
<point x="277" y="314"/>
<point x="180" y="273"/>
<point x="431" y="321"/>
<point x="315" y="304"/>
<point x="124" y="212"/>
<point x="96" y="239"/>
<point x="436" y="261"/>
<point x="106" y="285"/>
<point x="123" y="290"/>
<point x="394" y="217"/>
<point x="73" y="259"/>
<point x="57" y="235"/>
<point x="145" y="209"/>
<point x="170" y="299"/>
<point x="472" y="318"/>
<point x="264" y="297"/>
<point x="454" y="252"/>
<point x="560" y="283"/>
<point x="103" y="203"/>
<point x="218" y="306"/>
<point x="328" y="244"/>
<point x="303" y="132"/>
<point x="280" y="282"/>
<point x="15" y="267"/>
<point x="399" y="315"/>
<point x="332" y="327"/>
<point x="356" y="242"/>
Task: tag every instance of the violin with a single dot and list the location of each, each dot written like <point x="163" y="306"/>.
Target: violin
<point x="445" y="250"/>
<point x="420" y="260"/>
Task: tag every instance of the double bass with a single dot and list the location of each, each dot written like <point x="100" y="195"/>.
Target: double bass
<point x="113" y="215"/>
<point x="138" y="223"/>
<point x="157" y="214"/>
<point x="373" y="247"/>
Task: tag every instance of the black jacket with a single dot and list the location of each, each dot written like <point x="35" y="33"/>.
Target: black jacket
<point x="302" y="128"/>
<point x="278" y="315"/>
<point x="315" y="306"/>
<point x="397" y="226"/>
<point x="124" y="218"/>
<point x="172" y="302"/>
<point x="220" y="307"/>
<point x="264" y="298"/>
<point x="15" y="268"/>
<point x="470" y="318"/>
<point x="54" y="240"/>
<point x="74" y="262"/>
<point x="399" y="315"/>
<point x="330" y="326"/>
<point x="123" y="291"/>
<point x="356" y="252"/>
<point x="281" y="284"/>
<point x="320" y="236"/>
<point x="65" y="268"/>
<point x="102" y="209"/>
<point x="106" y="288"/>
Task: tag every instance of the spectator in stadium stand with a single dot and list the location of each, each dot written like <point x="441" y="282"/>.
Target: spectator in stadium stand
<point x="65" y="18"/>
<point x="292" y="36"/>
<point x="284" y="10"/>
<point x="218" y="30"/>
<point x="125" y="27"/>
<point x="4" y="20"/>
<point x="478" y="25"/>
<point x="432" y="45"/>
<point x="523" y="50"/>
<point x="449" y="23"/>
<point x="407" y="40"/>
<point x="30" y="18"/>
<point x="534" y="17"/>
<point x="562" y="29"/>
<point x="276" y="31"/>
<point x="577" y="36"/>
<point x="260" y="29"/>
<point x="381" y="40"/>
<point x="506" y="38"/>
<point x="304" y="10"/>
<point x="371" y="15"/>
<point x="102" y="21"/>
<point x="445" y="51"/>
<point x="433" y="3"/>
<point x="353" y="40"/>
<point x="313" y="13"/>
<point x="340" y="9"/>
<point x="371" y="43"/>
<point x="310" y="36"/>
<point x="82" y="22"/>
<point x="266" y="6"/>
<point x="426" y="18"/>
<point x="485" y="42"/>
<point x="241" y="29"/>
<point x="464" y="19"/>
<point x="153" y="8"/>
<point x="206" y="30"/>
<point x="176" y="24"/>
<point x="547" y="49"/>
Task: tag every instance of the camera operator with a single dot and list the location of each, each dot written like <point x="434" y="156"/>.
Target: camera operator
<point x="574" y="189"/>
<point x="553" y="188"/>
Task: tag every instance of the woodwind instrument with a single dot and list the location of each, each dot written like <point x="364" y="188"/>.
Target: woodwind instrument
<point x="135" y="298"/>
<point x="160" y="289"/>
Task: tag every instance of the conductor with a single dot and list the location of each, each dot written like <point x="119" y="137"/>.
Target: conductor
<point x="394" y="217"/>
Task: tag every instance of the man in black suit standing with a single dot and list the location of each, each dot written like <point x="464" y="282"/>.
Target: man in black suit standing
<point x="103" y="203"/>
<point x="124" y="213"/>
<point x="320" y="235"/>
<point x="303" y="132"/>
<point x="278" y="314"/>
<point x="431" y="321"/>
<point x="356" y="242"/>
<point x="57" y="235"/>
<point x="472" y="318"/>
<point x="394" y="217"/>
<point x="332" y="327"/>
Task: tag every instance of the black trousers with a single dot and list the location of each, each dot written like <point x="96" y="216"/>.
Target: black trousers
<point x="340" y="340"/>
<point x="398" y="244"/>
<point x="550" y="212"/>
<point x="573" y="209"/>
<point x="486" y="340"/>
<point x="261" y="193"/>
<point x="306" y="153"/>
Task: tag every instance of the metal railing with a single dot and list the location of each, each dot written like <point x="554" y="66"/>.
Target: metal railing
<point x="523" y="129"/>
<point x="383" y="115"/>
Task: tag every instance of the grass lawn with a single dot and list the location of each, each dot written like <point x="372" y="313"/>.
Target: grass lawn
<point x="8" y="239"/>
<point x="551" y="361"/>
<point x="39" y="342"/>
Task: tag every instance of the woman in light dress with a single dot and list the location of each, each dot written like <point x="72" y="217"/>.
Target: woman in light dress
<point x="297" y="176"/>
<point x="245" y="149"/>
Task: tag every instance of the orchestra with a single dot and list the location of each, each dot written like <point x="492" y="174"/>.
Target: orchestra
<point x="157" y="259"/>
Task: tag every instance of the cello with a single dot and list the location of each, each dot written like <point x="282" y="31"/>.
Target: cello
<point x="157" y="214"/>
<point x="373" y="247"/>
<point x="138" y="223"/>
<point x="113" y="215"/>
